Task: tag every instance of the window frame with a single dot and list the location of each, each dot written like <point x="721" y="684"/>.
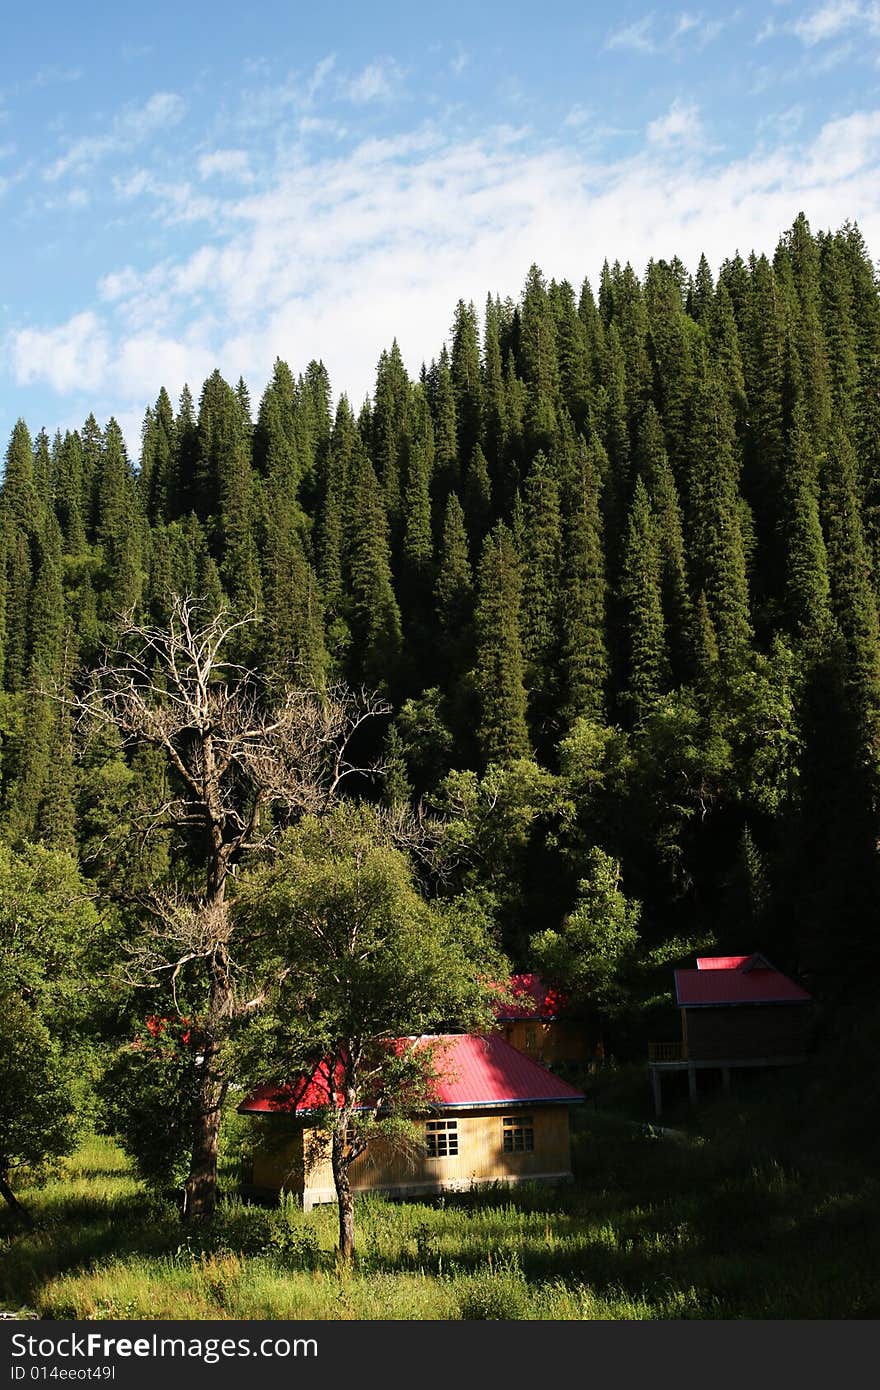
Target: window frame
<point x="442" y="1135"/>
<point x="513" y="1126"/>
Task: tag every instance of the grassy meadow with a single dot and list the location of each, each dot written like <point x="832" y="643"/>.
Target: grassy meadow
<point x="758" y="1206"/>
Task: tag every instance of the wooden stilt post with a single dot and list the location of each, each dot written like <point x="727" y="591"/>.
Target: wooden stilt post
<point x="692" y="1085"/>
<point x="658" y="1097"/>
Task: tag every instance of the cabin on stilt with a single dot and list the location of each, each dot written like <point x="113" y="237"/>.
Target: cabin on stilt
<point x="736" y="1012"/>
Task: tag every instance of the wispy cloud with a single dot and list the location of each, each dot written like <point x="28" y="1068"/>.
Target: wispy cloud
<point x="836" y="18"/>
<point x="334" y="256"/>
<point x="54" y="76"/>
<point x="639" y="36"/>
<point x="379" y="81"/>
<point x="129" y="128"/>
<point x="650" y="35"/>
<point x="681" y="125"/>
<point x="833" y="20"/>
<point x="579" y="116"/>
<point x="233" y="165"/>
<point x="174" y="200"/>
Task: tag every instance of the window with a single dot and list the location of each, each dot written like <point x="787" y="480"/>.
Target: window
<point x="441" y="1138"/>
<point x="519" y="1134"/>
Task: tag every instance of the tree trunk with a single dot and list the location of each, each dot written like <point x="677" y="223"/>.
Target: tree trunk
<point x="200" y="1193"/>
<point x="344" y="1195"/>
<point x="9" y="1196"/>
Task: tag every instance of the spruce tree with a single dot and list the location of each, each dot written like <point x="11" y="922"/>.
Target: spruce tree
<point x="541" y="550"/>
<point x="718" y="560"/>
<point x="499" y="670"/>
<point x="647" y="662"/>
<point x="454" y="595"/>
<point x="584" y="657"/>
<point x="538" y="363"/>
<point x="467" y="379"/>
<point x="372" y="611"/>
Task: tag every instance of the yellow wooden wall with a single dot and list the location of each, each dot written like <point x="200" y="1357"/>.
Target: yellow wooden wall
<point x="553" y="1040"/>
<point x="303" y="1165"/>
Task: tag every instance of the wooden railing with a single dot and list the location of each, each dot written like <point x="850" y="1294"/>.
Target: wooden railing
<point x="667" y="1052"/>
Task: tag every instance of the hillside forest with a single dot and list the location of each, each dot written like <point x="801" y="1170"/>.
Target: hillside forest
<point x="606" y="574"/>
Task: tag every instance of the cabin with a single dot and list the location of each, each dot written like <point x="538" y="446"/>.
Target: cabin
<point x="536" y="1020"/>
<point x="496" y="1116"/>
<point x="736" y="1011"/>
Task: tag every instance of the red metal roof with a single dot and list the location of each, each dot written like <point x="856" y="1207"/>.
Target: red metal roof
<point x="532" y="998"/>
<point x="471" y="1071"/>
<point x="736" y="980"/>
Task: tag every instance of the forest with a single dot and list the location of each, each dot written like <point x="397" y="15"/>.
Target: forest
<point x="604" y="578"/>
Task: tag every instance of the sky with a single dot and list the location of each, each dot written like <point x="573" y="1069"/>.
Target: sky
<point x="197" y="185"/>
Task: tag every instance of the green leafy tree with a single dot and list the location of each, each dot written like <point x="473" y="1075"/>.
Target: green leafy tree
<point x="47" y="926"/>
<point x="590" y="954"/>
<point x="364" y="960"/>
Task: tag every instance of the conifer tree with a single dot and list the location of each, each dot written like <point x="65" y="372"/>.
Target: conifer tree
<point x="158" y="480"/>
<point x="538" y="364"/>
<point x="499" y="671"/>
<point x="477" y="497"/>
<point x="373" y="614"/>
<point x="186" y="453"/>
<point x="541" y="550"/>
<point x="584" y="651"/>
<point x="441" y="394"/>
<point x="840" y="336"/>
<point x="118" y="527"/>
<point x="666" y="507"/>
<point x="852" y="599"/>
<point x="391" y="401"/>
<point x="807" y="604"/>
<point x="717" y="551"/>
<point x="647" y="662"/>
<point x="494" y="418"/>
<point x="454" y="594"/>
<point x="68" y="493"/>
<point x="467" y="379"/>
<point x="573" y="354"/>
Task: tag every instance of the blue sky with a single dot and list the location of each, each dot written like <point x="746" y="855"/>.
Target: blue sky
<point x="191" y="185"/>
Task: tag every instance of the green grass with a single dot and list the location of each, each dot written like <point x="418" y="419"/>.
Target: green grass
<point x="760" y="1207"/>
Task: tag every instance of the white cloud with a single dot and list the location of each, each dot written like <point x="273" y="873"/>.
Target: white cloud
<point x="175" y="201"/>
<point x="835" y="18"/>
<point x="320" y="73"/>
<point x="637" y="36"/>
<point x="646" y="36"/>
<point x="162" y="110"/>
<point x="226" y="164"/>
<point x="578" y="116"/>
<point x="378" y="81"/>
<point x="54" y="76"/>
<point x="128" y="129"/>
<point x="339" y="254"/>
<point x="680" y="126"/>
<point x="72" y="357"/>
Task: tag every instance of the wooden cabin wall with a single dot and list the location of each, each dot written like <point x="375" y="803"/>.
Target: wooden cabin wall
<point x="278" y="1157"/>
<point x="747" y="1031"/>
<point x="554" y="1040"/>
<point x="480" y="1156"/>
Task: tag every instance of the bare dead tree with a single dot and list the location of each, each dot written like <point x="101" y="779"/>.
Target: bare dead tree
<point x="241" y="769"/>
